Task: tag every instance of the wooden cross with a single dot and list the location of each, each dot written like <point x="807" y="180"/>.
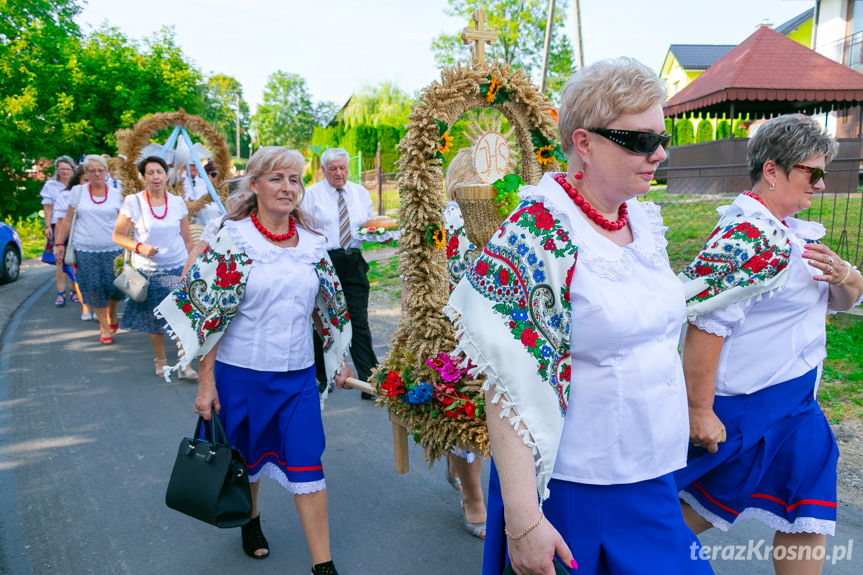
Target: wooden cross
<point x="480" y="35"/>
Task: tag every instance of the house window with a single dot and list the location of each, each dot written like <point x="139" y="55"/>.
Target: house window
<point x="855" y="17"/>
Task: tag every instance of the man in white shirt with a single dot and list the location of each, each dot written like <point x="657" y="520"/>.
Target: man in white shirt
<point x="341" y="208"/>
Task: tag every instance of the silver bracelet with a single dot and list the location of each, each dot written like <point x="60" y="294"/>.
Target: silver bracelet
<point x="847" y="274"/>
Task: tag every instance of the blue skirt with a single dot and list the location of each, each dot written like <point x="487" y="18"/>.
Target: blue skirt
<point x="96" y="277"/>
<point x="139" y="315"/>
<point x="274" y="419"/>
<point x="777" y="465"/>
<point x="630" y="529"/>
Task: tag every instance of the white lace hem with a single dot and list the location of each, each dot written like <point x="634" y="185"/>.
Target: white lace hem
<point x="309" y="250"/>
<point x="800" y="525"/>
<point x="652" y="252"/>
<point x="272" y="471"/>
<point x="710" y="326"/>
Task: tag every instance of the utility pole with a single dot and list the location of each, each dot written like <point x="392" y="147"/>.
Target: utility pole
<point x="237" y="95"/>
<point x="547" y="48"/>
<point x="579" y="47"/>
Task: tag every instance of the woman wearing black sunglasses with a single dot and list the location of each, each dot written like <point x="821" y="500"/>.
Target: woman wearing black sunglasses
<point x="573" y="314"/>
<point x="757" y="296"/>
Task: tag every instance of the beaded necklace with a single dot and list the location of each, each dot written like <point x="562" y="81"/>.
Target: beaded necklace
<point x="92" y="199"/>
<point x="267" y="233"/>
<point x="601" y="221"/>
<point x="149" y="205"/>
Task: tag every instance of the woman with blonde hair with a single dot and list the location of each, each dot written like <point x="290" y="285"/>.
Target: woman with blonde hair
<point x="97" y="206"/>
<point x="572" y="313"/>
<point x="268" y="265"/>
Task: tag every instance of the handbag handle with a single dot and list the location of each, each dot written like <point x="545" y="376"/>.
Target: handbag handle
<point x="212" y="435"/>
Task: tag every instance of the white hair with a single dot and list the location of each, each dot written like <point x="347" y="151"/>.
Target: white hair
<point x="333" y="154"/>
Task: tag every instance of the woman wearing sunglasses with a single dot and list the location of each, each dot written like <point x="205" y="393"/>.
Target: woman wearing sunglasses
<point x="757" y="295"/>
<point x="573" y="314"/>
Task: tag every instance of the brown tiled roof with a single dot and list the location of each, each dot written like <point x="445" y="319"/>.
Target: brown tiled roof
<point x="770" y="73"/>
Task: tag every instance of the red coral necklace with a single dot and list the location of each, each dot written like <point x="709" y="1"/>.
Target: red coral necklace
<point x="92" y="199"/>
<point x="601" y="221"/>
<point x="267" y="233"/>
<point x="149" y="205"/>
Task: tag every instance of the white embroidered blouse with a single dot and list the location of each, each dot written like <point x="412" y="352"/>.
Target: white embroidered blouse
<point x="780" y="336"/>
<point x="271" y="330"/>
<point x="162" y="233"/>
<point x="627" y="419"/>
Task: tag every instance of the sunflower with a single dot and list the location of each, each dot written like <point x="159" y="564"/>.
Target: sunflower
<point x="445" y="143"/>
<point x="545" y="155"/>
<point x="439" y="238"/>
<point x="493" y="88"/>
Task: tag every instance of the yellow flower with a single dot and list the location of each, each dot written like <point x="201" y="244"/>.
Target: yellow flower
<point x="493" y="88"/>
<point x="445" y="143"/>
<point x="439" y="237"/>
<point x="544" y="156"/>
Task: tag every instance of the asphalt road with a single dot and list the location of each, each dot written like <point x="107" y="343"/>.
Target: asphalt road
<point x="88" y="436"/>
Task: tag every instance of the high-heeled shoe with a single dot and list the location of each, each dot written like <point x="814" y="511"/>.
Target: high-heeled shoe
<point x="114" y="327"/>
<point x="327" y="568"/>
<point x="186" y="372"/>
<point x="253" y="539"/>
<point x="161" y="366"/>
<point x="475" y="529"/>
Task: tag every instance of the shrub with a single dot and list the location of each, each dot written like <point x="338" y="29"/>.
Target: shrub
<point x="722" y="130"/>
<point x="705" y="131"/>
<point x="684" y="132"/>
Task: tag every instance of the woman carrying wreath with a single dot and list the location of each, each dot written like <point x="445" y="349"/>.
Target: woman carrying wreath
<point x="160" y="247"/>
<point x="97" y="206"/>
<point x="757" y="295"/>
<point x="572" y="313"/>
<point x="246" y="305"/>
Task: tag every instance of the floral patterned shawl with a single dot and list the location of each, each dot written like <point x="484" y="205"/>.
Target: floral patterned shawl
<point x="201" y="309"/>
<point x="517" y="331"/>
<point x="746" y="256"/>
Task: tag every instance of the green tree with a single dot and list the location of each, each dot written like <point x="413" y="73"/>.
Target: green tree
<point x="684" y="132"/>
<point x="384" y="103"/>
<point x="221" y="95"/>
<point x="287" y="116"/>
<point x="704" y="133"/>
<point x="521" y="35"/>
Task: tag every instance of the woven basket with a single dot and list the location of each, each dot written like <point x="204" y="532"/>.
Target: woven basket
<point x="481" y="217"/>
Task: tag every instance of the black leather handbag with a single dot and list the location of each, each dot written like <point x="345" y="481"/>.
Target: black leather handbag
<point x="210" y="481"/>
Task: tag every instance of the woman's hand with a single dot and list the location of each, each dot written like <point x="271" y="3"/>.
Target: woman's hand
<point x="208" y="398"/>
<point x="705" y="429"/>
<point x="59" y="250"/>
<point x="833" y="269"/>
<point x="147" y="251"/>
<point x="534" y="553"/>
<point x="49" y="233"/>
<point x="343" y="376"/>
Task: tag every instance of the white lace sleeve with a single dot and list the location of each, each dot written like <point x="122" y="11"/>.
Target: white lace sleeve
<point x="722" y="322"/>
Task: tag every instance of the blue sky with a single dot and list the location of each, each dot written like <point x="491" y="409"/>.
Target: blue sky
<point x="339" y="44"/>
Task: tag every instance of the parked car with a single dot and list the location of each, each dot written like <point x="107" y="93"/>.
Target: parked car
<point x="10" y="248"/>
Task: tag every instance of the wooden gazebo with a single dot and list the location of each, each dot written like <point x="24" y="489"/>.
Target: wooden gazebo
<point x="767" y="75"/>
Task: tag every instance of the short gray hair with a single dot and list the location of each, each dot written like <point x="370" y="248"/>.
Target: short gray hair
<point x="62" y="160"/>
<point x="94" y="159"/>
<point x="600" y="93"/>
<point x="788" y="140"/>
<point x="333" y="154"/>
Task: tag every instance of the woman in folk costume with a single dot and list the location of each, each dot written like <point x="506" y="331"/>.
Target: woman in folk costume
<point x="573" y="314"/>
<point x="54" y="194"/>
<point x="245" y="305"/>
<point x="757" y="295"/>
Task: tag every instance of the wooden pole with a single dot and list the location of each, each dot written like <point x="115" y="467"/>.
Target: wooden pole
<point x="379" y="174"/>
<point x="579" y="47"/>
<point x="546" y="49"/>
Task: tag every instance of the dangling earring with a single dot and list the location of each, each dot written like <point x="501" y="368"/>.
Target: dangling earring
<point x="773" y="185"/>
<point x="578" y="175"/>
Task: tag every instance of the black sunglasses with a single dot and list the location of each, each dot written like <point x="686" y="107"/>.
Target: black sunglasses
<point x="815" y="174"/>
<point x="644" y="143"/>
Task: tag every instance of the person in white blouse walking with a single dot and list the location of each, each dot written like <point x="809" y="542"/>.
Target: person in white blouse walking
<point x="341" y="207"/>
<point x="572" y="313"/>
<point x="757" y="297"/>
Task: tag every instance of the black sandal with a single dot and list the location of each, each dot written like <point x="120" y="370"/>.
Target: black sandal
<point x="253" y="539"/>
<point x="325" y="569"/>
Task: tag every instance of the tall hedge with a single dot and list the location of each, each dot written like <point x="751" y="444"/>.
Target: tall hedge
<point x="704" y="133"/>
<point x="722" y="130"/>
<point x="684" y="132"/>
